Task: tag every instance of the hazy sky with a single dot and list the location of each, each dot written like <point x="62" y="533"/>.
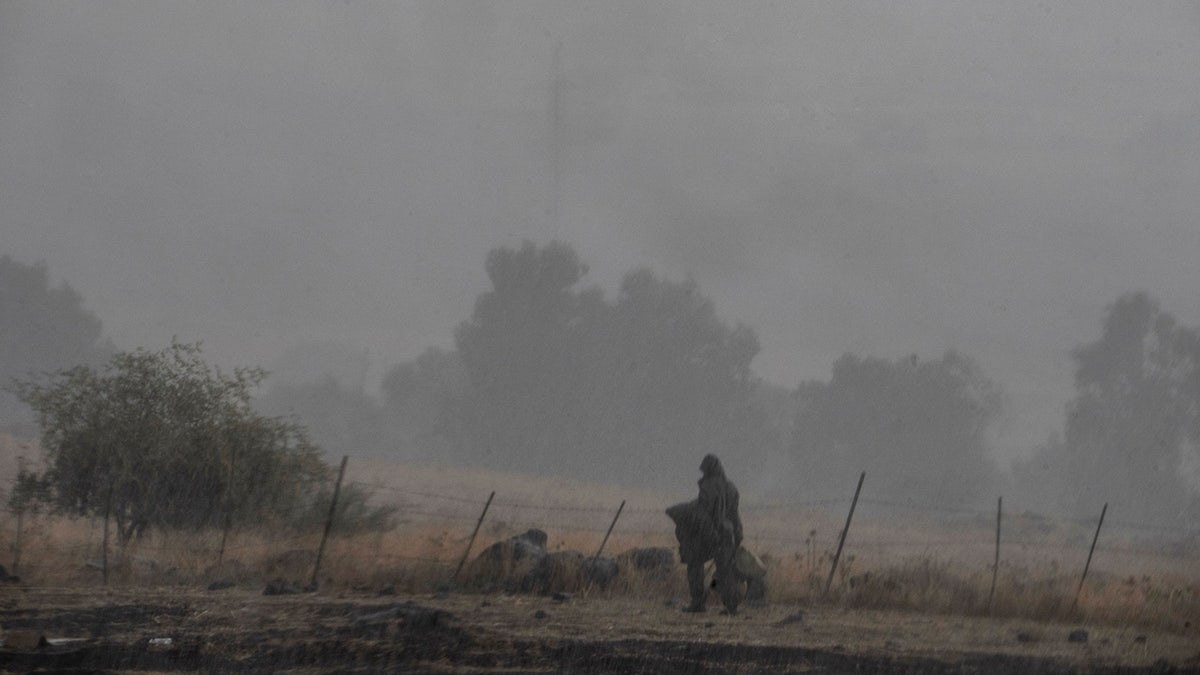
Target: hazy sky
<point x="882" y="178"/>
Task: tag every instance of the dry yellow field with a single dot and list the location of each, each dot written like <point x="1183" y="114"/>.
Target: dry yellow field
<point x="911" y="592"/>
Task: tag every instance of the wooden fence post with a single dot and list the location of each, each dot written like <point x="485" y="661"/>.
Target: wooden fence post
<point x="328" y="521"/>
<point x="996" y="563"/>
<point x="610" y="529"/>
<point x="462" y="561"/>
<point x="1092" y="550"/>
<point x="228" y="510"/>
<point x="842" y="539"/>
<point x="16" y="563"/>
<point x="104" y="550"/>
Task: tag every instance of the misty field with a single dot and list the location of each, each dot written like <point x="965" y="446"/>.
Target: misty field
<point x="912" y="583"/>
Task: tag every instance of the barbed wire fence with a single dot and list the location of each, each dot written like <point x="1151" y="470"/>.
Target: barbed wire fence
<point x="441" y="530"/>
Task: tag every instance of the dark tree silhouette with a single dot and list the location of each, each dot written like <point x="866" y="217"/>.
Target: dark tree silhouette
<point x="918" y="428"/>
<point x="1134" y="424"/>
<point x="42" y="328"/>
<point x="421" y="400"/>
<point x="561" y="380"/>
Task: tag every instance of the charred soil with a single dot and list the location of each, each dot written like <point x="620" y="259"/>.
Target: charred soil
<point x="240" y="629"/>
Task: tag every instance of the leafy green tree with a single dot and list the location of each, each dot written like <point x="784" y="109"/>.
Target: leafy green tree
<point x="41" y="328"/>
<point x="163" y="440"/>
<point x="1133" y="427"/>
<point x="918" y="428"/>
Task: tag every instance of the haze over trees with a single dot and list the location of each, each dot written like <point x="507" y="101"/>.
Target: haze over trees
<point x="548" y="375"/>
<point x="563" y="381"/>
<point x="1132" y="431"/>
<point x="422" y="406"/>
<point x="916" y="427"/>
<point x="42" y="328"/>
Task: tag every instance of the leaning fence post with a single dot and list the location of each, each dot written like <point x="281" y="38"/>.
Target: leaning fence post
<point x="470" y="543"/>
<point x="228" y="510"/>
<point x="17" y="540"/>
<point x="20" y="521"/>
<point x="104" y="550"/>
<point x="329" y="521"/>
<point x="1092" y="550"/>
<point x="842" y="539"/>
<point x="996" y="564"/>
<point x="610" y="529"/>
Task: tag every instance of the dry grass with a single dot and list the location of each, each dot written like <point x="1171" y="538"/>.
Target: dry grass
<point x="920" y="566"/>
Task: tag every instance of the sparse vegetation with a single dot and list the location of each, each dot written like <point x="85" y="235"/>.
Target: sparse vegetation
<point x="162" y="440"/>
<point x="421" y="552"/>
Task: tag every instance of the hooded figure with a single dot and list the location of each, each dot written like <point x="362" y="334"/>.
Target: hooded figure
<point x="709" y="528"/>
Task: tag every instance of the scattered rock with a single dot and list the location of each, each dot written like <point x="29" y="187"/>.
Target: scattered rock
<point x="7" y="578"/>
<point x="1079" y="635"/>
<point x="423" y="618"/>
<point x="506" y="565"/>
<point x="600" y="571"/>
<point x="278" y="587"/>
<point x="653" y="558"/>
<point x="655" y="563"/>
<point x="794" y="617"/>
<point x="231" y="569"/>
<point x="554" y="571"/>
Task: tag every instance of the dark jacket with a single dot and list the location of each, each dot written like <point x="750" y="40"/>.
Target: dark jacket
<point x="719" y="499"/>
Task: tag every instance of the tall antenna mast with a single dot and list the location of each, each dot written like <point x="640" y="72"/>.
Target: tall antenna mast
<point x="557" y="85"/>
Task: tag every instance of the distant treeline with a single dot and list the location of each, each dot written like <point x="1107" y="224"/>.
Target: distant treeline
<point x="548" y="375"/>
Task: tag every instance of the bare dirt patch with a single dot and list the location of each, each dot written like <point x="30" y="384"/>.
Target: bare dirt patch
<point x="184" y="628"/>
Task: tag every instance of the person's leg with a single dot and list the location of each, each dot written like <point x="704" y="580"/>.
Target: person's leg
<point x="695" y="579"/>
<point x="727" y="581"/>
<point x="756" y="591"/>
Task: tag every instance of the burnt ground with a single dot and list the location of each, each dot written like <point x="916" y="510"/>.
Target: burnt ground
<point x="240" y="629"/>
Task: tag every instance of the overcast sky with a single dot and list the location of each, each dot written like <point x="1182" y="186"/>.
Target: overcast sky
<point x="883" y="178"/>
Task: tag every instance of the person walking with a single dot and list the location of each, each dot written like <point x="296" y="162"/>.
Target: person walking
<point x="709" y="528"/>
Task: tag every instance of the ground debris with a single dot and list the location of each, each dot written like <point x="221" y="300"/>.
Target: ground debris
<point x="794" y="617"/>
<point x="174" y="629"/>
<point x="413" y="616"/>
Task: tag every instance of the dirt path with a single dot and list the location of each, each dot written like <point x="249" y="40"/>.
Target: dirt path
<point x="241" y="629"/>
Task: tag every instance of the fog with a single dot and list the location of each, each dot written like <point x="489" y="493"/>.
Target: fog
<point x="879" y="179"/>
